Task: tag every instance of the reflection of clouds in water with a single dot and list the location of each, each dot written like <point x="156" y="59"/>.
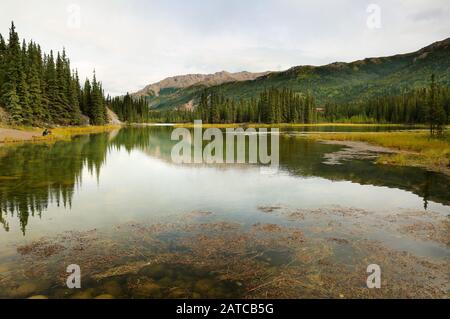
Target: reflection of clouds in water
<point x="131" y="176"/>
<point x="216" y="187"/>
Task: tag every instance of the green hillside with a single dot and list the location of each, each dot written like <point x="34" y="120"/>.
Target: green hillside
<point x="336" y="82"/>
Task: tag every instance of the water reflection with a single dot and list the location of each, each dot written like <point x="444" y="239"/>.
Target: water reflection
<point x="33" y="176"/>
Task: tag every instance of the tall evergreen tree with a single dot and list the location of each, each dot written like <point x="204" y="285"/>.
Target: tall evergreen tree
<point x="12" y="77"/>
<point x="62" y="101"/>
<point x="54" y="110"/>
<point x="41" y="89"/>
<point x="97" y="103"/>
<point x="74" y="100"/>
<point x="35" y="85"/>
<point x="436" y="112"/>
<point x="86" y="99"/>
<point x="2" y="62"/>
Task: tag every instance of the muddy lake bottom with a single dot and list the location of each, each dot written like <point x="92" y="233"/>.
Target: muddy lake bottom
<point x="140" y="226"/>
<point x="306" y="254"/>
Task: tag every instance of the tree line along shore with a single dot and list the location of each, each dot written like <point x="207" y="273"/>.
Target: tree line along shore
<point x="40" y="89"/>
<point x="425" y="106"/>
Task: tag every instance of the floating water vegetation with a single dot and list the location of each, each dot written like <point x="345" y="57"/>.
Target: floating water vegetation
<point x="194" y="258"/>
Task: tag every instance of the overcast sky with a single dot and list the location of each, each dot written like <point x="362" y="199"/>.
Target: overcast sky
<point x="132" y="43"/>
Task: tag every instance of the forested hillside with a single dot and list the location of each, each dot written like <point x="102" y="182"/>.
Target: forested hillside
<point x="430" y="104"/>
<point x="337" y="82"/>
<point x="419" y="106"/>
<point x="41" y="89"/>
<point x="128" y="109"/>
<point x="272" y="106"/>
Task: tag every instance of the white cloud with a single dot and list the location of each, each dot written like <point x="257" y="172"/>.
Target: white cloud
<point x="131" y="43"/>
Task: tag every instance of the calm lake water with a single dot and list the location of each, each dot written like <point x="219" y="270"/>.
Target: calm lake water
<point x="141" y="226"/>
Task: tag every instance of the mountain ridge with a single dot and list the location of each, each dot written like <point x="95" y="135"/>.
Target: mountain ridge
<point x="340" y="82"/>
<point x="184" y="81"/>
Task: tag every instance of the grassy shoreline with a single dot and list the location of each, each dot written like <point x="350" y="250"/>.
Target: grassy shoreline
<point x="279" y="125"/>
<point x="415" y="149"/>
<point x="33" y="134"/>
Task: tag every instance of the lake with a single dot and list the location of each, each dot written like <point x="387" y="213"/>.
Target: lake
<point x="140" y="226"/>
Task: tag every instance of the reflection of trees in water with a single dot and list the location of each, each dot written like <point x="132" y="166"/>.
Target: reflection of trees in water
<point x="142" y="138"/>
<point x="36" y="175"/>
<point x="305" y="158"/>
<point x="32" y="176"/>
<point x="301" y="157"/>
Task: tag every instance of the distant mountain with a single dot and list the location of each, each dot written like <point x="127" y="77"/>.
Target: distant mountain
<point x="337" y="82"/>
<point x="172" y="84"/>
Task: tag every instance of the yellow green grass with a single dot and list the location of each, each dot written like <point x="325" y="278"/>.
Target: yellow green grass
<point x="275" y="125"/>
<point x="80" y="130"/>
<point x="58" y="133"/>
<point x="415" y="148"/>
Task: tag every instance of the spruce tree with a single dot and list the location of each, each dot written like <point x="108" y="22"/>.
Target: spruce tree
<point x="86" y="99"/>
<point x="97" y="106"/>
<point x="437" y="114"/>
<point x="74" y="101"/>
<point x="37" y="88"/>
<point x="2" y="62"/>
<point x="62" y="101"/>
<point x="54" y="110"/>
<point x="13" y="75"/>
<point x="433" y="113"/>
<point x="35" y="85"/>
<point x="12" y="103"/>
<point x="44" y="86"/>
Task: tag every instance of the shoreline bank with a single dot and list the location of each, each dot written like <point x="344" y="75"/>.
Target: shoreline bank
<point x="412" y="149"/>
<point x="286" y="125"/>
<point x="13" y="135"/>
<point x="408" y="148"/>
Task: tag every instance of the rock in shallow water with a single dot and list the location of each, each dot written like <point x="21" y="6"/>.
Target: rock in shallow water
<point x="86" y="294"/>
<point x="104" y="296"/>
<point x="145" y="288"/>
<point x="38" y="297"/>
<point x="204" y="285"/>
<point x="112" y="288"/>
<point x="27" y="289"/>
<point x="178" y="293"/>
<point x="156" y="271"/>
